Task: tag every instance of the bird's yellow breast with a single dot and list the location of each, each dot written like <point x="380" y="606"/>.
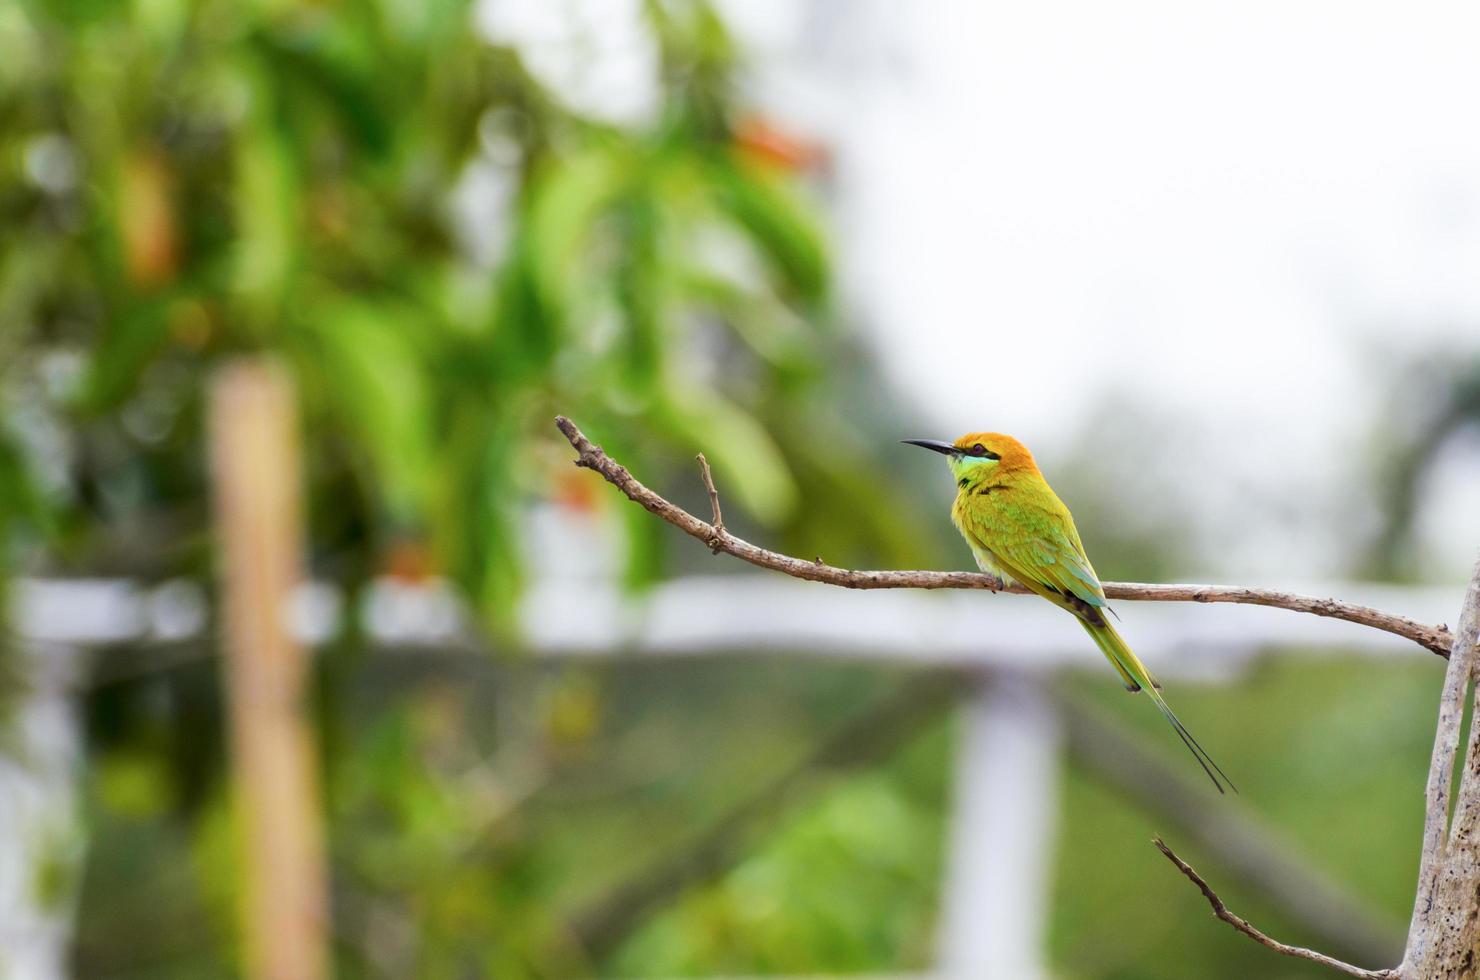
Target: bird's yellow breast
<point x="984" y="559"/>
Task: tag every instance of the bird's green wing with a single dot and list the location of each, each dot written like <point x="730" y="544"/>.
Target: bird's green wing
<point x="1039" y="546"/>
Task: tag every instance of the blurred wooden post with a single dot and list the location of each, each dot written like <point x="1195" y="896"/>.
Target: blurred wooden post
<point x="255" y="471"/>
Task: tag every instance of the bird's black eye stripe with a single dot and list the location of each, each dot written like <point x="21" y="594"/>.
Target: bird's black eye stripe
<point x="982" y="451"/>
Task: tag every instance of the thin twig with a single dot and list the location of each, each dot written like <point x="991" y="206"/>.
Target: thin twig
<point x="1249" y="851"/>
<point x="1434" y="638"/>
<point x="719" y="520"/>
<point x="1243" y="925"/>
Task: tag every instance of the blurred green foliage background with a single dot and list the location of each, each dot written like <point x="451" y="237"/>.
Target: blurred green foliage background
<point x="188" y="181"/>
<point x="183" y="182"/>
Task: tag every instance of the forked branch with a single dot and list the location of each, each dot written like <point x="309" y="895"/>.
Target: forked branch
<point x="1436" y="639"/>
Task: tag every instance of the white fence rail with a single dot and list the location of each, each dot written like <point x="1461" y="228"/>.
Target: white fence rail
<point x="996" y="887"/>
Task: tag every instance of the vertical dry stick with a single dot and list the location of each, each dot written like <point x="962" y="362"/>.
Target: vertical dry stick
<point x="1443" y="936"/>
<point x="254" y="463"/>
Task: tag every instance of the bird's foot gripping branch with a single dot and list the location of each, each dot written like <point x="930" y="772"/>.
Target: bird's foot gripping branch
<point x="1444" y="935"/>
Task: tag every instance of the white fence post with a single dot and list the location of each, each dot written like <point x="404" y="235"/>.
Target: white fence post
<point x="1000" y="865"/>
<point x="40" y="838"/>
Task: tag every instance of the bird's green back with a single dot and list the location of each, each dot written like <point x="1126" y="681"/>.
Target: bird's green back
<point x="1012" y="518"/>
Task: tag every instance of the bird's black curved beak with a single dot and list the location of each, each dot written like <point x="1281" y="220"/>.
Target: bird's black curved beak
<point x="935" y="444"/>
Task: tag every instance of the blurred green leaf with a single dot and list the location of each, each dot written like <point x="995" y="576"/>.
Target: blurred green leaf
<point x="744" y="457"/>
<point x="266" y="196"/>
<point x="566" y="205"/>
<point x="782" y="225"/>
<point x="381" y="392"/>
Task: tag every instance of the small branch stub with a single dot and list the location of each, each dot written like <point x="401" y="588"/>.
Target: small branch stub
<point x="717" y="541"/>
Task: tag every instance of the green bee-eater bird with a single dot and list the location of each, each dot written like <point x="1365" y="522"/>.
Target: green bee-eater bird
<point x="1020" y="531"/>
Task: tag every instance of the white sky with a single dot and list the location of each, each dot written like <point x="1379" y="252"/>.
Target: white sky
<point x="1212" y="198"/>
<point x="1240" y="214"/>
<point x="1241" y="217"/>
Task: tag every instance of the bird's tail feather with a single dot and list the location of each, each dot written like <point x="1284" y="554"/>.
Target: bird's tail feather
<point x="1101" y="635"/>
<point x="1137" y="677"/>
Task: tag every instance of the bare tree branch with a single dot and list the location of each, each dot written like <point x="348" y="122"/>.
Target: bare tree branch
<point x="1434" y="638"/>
<point x="1243" y="925"/>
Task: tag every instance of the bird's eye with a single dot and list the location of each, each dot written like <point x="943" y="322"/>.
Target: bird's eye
<point x="978" y="450"/>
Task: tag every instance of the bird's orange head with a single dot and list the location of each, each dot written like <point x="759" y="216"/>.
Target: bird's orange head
<point x="1007" y="451"/>
<point x="979" y="453"/>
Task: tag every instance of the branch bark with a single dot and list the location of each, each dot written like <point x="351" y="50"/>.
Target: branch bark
<point x="1444" y="935"/>
<point x="591" y="456"/>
